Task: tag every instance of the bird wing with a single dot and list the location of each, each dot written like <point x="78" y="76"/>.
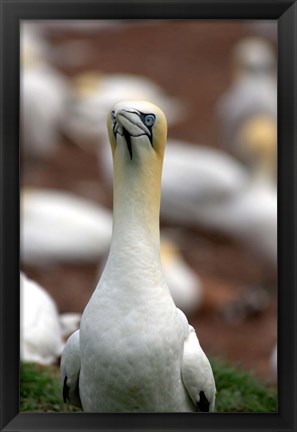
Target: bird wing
<point x="197" y="374"/>
<point x="70" y="369"/>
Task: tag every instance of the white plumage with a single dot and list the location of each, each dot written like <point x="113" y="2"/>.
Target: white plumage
<point x="195" y="178"/>
<point x="43" y="97"/>
<point x="196" y="371"/>
<point x="60" y="226"/>
<point x="70" y="368"/>
<point x="184" y="284"/>
<point x="250" y="216"/>
<point x="134" y="345"/>
<point x="41" y="334"/>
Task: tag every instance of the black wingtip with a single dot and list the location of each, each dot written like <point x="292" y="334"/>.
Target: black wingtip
<point x="65" y="390"/>
<point x="203" y="404"/>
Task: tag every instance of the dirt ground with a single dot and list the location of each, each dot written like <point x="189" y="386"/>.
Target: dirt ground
<point x="191" y="61"/>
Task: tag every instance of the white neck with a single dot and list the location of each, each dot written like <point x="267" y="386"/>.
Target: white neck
<point x="136" y="210"/>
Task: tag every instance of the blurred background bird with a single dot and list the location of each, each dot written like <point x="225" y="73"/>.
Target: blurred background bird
<point x="252" y="95"/>
<point x="216" y="82"/>
<point x="43" y="330"/>
<point x="60" y="226"/>
<point x="43" y="94"/>
<point x="95" y="92"/>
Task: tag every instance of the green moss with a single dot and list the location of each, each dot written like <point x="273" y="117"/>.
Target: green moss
<point x="237" y="390"/>
<point x="41" y="389"/>
<point x="240" y="391"/>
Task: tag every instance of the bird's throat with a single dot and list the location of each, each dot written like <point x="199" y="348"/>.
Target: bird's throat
<point x="136" y="201"/>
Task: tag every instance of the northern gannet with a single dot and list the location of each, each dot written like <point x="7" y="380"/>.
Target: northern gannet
<point x="42" y="327"/>
<point x="60" y="226"/>
<point x="208" y="188"/>
<point x="253" y="91"/>
<point x="135" y="351"/>
<point x="257" y="145"/>
<point x="43" y="95"/>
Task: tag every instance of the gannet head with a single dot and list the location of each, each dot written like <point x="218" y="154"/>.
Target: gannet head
<point x="139" y="127"/>
<point x="257" y="140"/>
<point x="86" y="84"/>
<point x="254" y="56"/>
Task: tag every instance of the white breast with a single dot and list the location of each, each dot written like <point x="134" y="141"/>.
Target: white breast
<point x="137" y="345"/>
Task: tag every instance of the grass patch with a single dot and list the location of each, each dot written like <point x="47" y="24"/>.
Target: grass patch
<point x="41" y="389"/>
<point x="237" y="390"/>
<point x="240" y="391"/>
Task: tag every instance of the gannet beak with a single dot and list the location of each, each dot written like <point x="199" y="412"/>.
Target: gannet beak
<point x="127" y="137"/>
<point x="130" y="123"/>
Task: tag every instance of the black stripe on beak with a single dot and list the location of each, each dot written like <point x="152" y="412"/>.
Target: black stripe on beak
<point x="127" y="137"/>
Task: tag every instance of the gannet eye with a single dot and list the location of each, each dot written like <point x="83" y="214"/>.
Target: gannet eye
<point x="149" y="119"/>
<point x="113" y="116"/>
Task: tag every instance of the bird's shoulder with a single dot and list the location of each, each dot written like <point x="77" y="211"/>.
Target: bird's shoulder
<point x="196" y="372"/>
<point x="70" y="369"/>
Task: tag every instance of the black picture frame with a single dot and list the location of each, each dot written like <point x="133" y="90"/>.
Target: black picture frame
<point x="285" y="12"/>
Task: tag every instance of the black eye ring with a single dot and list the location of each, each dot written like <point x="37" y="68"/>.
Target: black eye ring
<point x="113" y="116"/>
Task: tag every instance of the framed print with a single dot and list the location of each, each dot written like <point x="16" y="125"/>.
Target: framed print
<point x="81" y="201"/>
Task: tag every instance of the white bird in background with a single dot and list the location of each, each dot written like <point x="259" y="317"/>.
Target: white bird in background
<point x="42" y="329"/>
<point x="43" y="95"/>
<point x="195" y="178"/>
<point x="60" y="226"/>
<point x="34" y="48"/>
<point x="253" y="91"/>
<point x="251" y="215"/>
<point x="135" y="351"/>
<point x="205" y="188"/>
<point x="96" y="92"/>
<point x="184" y="284"/>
